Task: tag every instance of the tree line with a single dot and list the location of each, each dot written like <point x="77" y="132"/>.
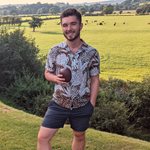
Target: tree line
<point x="122" y="107"/>
<point x="52" y="9"/>
<point x="57" y="8"/>
<point x="10" y="20"/>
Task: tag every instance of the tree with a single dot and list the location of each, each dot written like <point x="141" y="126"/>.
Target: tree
<point x="91" y="10"/>
<point x="35" y="23"/>
<point x="54" y="10"/>
<point x="139" y="11"/>
<point x="17" y="54"/>
<point x="82" y="10"/>
<point x="108" y="9"/>
<point x="40" y="11"/>
<point x="121" y="11"/>
<point x="143" y="9"/>
<point x="101" y="7"/>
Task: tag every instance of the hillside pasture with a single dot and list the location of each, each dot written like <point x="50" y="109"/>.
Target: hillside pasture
<point x="122" y="41"/>
<point x="19" y="131"/>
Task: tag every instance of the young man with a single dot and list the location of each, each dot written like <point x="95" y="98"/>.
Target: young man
<point x="73" y="100"/>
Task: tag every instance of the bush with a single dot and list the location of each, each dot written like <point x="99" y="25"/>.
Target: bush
<point x="112" y="90"/>
<point x="17" y="53"/>
<point x="110" y="112"/>
<point x="41" y="103"/>
<point x="21" y="73"/>
<point x="123" y="107"/>
<point x="139" y="108"/>
<point x="26" y="90"/>
<point x="110" y="117"/>
<point x="143" y="134"/>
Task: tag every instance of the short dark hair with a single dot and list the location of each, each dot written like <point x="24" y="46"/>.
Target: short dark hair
<point x="71" y="12"/>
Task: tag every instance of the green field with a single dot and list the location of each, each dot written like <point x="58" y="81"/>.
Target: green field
<point x="18" y="131"/>
<point x="124" y="48"/>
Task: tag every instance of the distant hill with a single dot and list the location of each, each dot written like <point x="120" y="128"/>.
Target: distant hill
<point x="133" y="4"/>
<point x="112" y="2"/>
<point x="123" y="1"/>
<point x="125" y="4"/>
<point x="103" y="2"/>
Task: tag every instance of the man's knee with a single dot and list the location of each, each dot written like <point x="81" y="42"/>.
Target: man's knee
<point x="43" y="138"/>
<point x="80" y="136"/>
<point x="45" y="134"/>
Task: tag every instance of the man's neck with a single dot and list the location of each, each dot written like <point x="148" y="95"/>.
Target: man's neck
<point x="74" y="45"/>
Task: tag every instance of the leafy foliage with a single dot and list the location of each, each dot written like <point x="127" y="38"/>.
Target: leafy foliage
<point x="132" y="4"/>
<point x="17" y="54"/>
<point x="110" y="112"/>
<point x="110" y="117"/>
<point x="21" y="73"/>
<point x="108" y="9"/>
<point x="139" y="112"/>
<point x="30" y="93"/>
<point x="123" y="107"/>
<point x="35" y="23"/>
<point x="143" y="9"/>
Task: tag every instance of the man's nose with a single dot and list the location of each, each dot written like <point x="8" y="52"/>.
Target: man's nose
<point x="69" y="27"/>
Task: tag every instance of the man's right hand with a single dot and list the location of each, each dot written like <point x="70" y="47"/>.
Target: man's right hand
<point x="58" y="79"/>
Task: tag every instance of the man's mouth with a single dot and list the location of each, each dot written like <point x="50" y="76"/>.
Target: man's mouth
<point x="69" y="33"/>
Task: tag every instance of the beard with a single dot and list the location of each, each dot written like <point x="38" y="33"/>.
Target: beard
<point x="72" y="38"/>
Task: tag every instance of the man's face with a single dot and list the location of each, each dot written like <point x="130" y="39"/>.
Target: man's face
<point x="71" y="27"/>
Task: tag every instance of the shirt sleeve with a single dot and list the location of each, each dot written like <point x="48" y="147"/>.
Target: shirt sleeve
<point x="50" y="62"/>
<point x="95" y="64"/>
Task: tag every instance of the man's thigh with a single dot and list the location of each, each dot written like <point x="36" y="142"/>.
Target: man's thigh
<point x="80" y="117"/>
<point x="55" y="116"/>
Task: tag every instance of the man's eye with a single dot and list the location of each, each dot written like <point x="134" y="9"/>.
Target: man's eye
<point x="73" y="23"/>
<point x="64" y="25"/>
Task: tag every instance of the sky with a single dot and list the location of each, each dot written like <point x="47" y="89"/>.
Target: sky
<point x="4" y="2"/>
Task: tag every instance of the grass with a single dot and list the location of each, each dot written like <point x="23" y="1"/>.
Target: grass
<point x="19" y="131"/>
<point x="124" y="48"/>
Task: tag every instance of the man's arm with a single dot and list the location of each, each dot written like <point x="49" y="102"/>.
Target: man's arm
<point x="94" y="89"/>
<point x="54" y="78"/>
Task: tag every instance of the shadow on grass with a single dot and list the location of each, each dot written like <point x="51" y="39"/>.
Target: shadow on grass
<point x="49" y="32"/>
<point x="5" y="100"/>
<point x="10" y="103"/>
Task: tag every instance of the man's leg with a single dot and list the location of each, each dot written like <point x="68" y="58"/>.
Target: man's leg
<point x="45" y="136"/>
<point x="78" y="142"/>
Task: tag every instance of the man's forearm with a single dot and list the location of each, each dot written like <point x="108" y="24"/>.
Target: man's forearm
<point x="58" y="79"/>
<point x="49" y="76"/>
<point x="94" y="89"/>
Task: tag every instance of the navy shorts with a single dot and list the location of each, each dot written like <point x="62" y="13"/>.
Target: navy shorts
<point x="56" y="116"/>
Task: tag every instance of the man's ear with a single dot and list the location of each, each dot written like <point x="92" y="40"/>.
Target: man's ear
<point x="81" y="26"/>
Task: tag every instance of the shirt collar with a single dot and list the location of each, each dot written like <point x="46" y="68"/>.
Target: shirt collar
<point x="83" y="47"/>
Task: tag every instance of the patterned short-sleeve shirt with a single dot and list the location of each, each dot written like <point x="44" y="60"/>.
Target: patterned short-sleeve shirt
<point x="83" y="64"/>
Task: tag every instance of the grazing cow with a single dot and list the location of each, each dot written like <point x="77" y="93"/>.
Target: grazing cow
<point x="103" y="22"/>
<point x="100" y="23"/>
<point x="114" y="23"/>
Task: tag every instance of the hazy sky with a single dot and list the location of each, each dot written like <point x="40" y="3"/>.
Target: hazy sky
<point x="3" y="2"/>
